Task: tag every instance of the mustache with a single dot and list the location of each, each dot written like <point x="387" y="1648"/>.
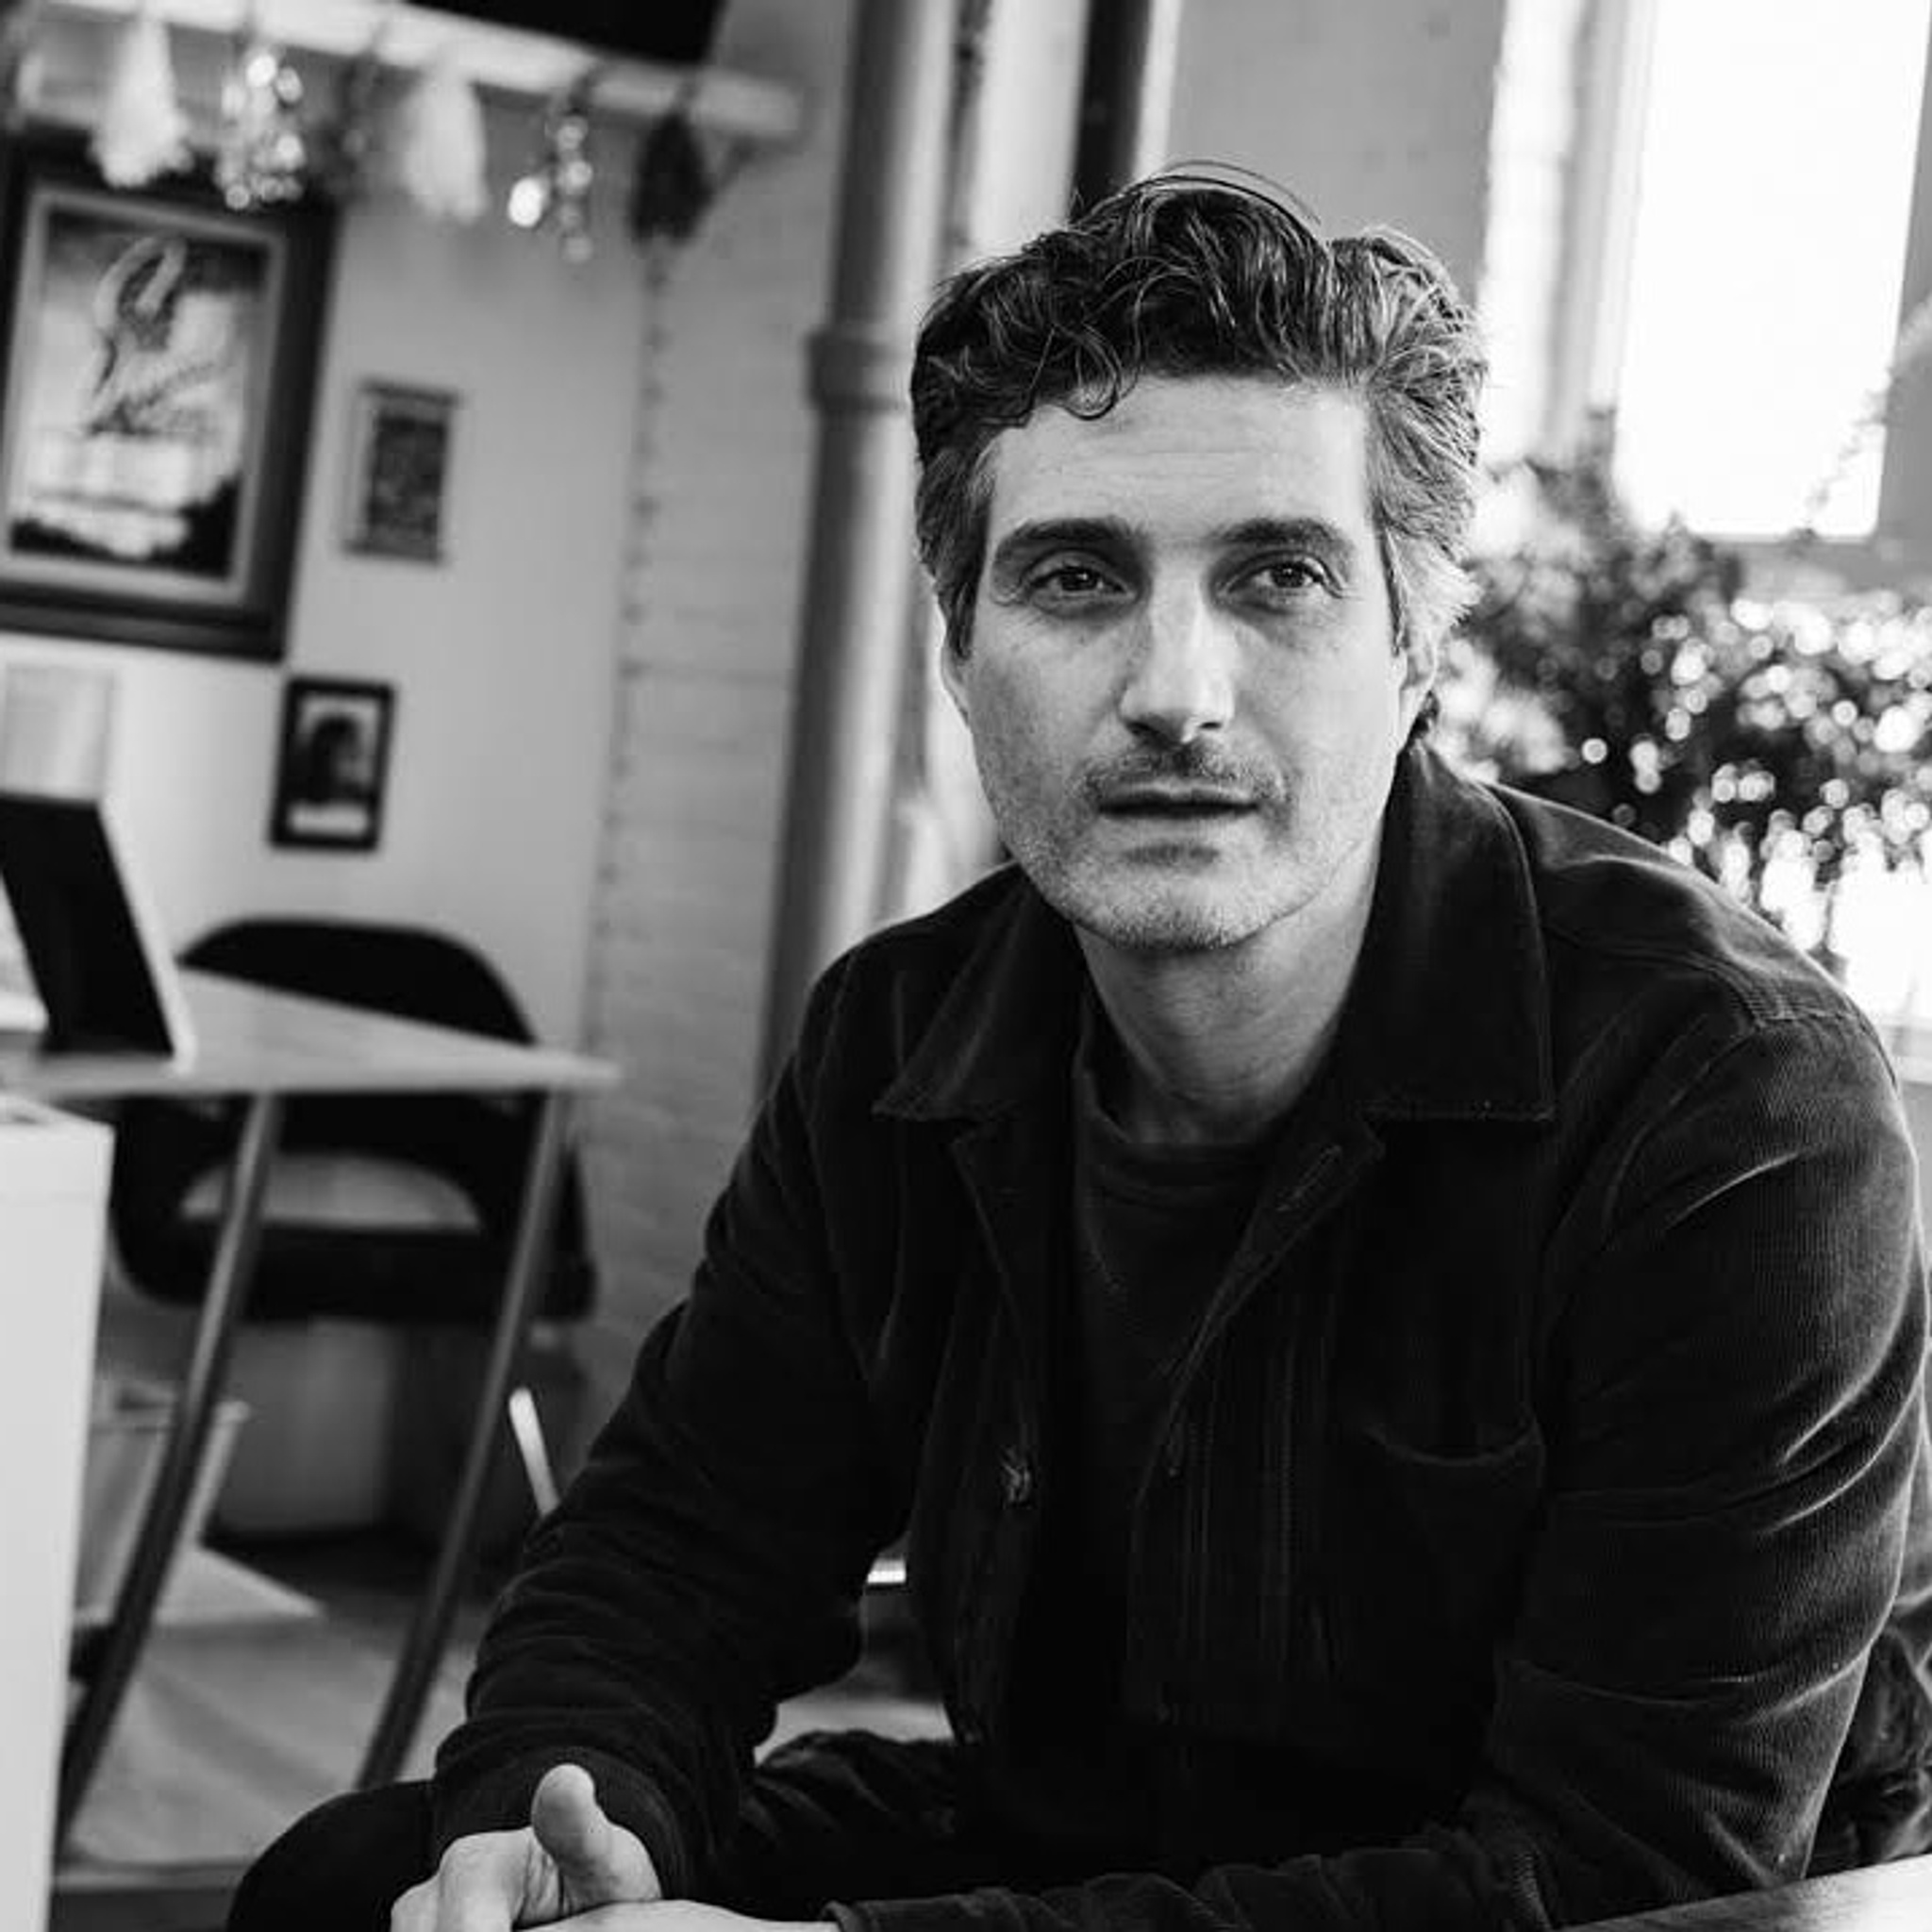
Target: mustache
<point x="1190" y="764"/>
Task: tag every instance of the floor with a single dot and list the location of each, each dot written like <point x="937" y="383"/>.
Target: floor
<point x="254" y="1704"/>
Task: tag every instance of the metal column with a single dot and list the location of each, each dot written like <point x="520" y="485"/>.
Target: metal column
<point x="1133" y="49"/>
<point x="855" y="630"/>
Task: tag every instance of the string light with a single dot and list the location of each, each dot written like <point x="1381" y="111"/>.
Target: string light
<point x="556" y="188"/>
<point x="261" y="157"/>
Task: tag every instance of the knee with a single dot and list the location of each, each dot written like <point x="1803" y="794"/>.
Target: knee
<point x="341" y="1867"/>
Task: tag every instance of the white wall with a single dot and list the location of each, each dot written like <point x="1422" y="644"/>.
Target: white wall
<point x="1371" y="110"/>
<point x="501" y="656"/>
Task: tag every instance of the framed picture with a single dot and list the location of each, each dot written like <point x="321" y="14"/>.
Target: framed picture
<point x="399" y="471"/>
<point x="333" y="766"/>
<point x="157" y="355"/>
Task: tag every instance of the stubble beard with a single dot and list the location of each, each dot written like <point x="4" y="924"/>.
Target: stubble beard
<point x="1131" y="897"/>
<point x="1152" y="906"/>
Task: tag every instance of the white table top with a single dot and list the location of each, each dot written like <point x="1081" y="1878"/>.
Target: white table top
<point x="249" y="1040"/>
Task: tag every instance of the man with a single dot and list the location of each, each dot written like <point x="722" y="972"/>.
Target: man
<point x="1388" y="1314"/>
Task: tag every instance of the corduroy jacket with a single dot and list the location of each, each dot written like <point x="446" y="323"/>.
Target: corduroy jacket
<point x="1542" y="1483"/>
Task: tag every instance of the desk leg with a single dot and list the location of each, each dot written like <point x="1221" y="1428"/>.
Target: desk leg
<point x="422" y="1648"/>
<point x="112" y="1665"/>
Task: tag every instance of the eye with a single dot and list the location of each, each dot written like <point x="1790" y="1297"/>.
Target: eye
<point x="1069" y="582"/>
<point x="1283" y="580"/>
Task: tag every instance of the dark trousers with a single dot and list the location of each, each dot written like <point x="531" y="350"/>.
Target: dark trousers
<point x="832" y="1815"/>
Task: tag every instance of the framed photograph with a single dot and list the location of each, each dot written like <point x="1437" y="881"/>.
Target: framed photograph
<point x="399" y="457"/>
<point x="157" y="355"/>
<point x="333" y="767"/>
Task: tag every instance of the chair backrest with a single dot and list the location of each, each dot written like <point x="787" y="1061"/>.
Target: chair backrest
<point x="480" y="1142"/>
<point x="405" y="970"/>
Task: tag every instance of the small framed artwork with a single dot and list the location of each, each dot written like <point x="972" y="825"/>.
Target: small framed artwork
<point x="333" y="768"/>
<point x="157" y="356"/>
<point x="399" y="457"/>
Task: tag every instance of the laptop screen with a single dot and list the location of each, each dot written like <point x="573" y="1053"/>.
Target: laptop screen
<point x="106" y="983"/>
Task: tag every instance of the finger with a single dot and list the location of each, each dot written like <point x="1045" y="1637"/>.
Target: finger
<point x="479" y="1887"/>
<point x="569" y="1821"/>
<point x="415" y="1910"/>
<point x="598" y="1863"/>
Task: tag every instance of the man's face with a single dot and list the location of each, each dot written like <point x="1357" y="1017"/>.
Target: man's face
<point x="1182" y="684"/>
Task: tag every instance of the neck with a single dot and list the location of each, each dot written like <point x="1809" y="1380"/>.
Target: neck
<point x="1216" y="1046"/>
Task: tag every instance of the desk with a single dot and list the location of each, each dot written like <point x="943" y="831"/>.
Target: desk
<point x="261" y="1046"/>
<point x="1885" y="1898"/>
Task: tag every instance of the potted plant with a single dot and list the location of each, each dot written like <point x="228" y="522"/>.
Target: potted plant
<point x="1776" y="745"/>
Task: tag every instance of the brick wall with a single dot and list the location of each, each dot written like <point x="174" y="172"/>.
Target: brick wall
<point x="701" y="694"/>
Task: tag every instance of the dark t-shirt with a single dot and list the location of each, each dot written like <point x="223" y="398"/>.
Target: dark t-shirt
<point x="1150" y="1231"/>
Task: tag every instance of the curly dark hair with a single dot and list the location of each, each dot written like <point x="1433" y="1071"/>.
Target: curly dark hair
<point x="1187" y="274"/>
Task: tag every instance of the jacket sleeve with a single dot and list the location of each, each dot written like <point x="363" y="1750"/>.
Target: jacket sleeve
<point x="1735" y="1420"/>
<point x="709" y="1560"/>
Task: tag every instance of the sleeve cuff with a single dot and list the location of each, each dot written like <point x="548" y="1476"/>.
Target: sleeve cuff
<point x="988" y="1909"/>
<point x="500" y="1801"/>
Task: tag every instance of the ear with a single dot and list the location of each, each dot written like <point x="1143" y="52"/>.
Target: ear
<point x="1418" y="665"/>
<point x="953" y="676"/>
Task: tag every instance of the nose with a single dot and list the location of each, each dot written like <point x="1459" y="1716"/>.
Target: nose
<point x="1180" y="680"/>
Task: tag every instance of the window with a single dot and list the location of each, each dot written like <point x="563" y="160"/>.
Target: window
<point x="1740" y="193"/>
<point x="1768" y="250"/>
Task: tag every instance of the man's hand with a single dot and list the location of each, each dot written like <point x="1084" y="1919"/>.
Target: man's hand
<point x="682" y="1915"/>
<point x="568" y="1860"/>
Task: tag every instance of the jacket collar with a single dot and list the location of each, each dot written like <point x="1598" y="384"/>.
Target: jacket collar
<point x="1448" y="1017"/>
<point x="1010" y="1019"/>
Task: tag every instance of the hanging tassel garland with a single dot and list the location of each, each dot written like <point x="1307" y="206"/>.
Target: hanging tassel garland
<point x="344" y="145"/>
<point x="671" y="187"/>
<point x="143" y="131"/>
<point x="20" y="60"/>
<point x="440" y="155"/>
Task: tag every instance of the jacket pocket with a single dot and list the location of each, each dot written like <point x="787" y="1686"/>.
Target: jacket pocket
<point x="1422" y="1560"/>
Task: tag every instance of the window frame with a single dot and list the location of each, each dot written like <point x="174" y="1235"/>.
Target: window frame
<point x="1616" y="59"/>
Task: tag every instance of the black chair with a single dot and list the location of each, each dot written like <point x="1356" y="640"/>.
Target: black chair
<point x="415" y="1276"/>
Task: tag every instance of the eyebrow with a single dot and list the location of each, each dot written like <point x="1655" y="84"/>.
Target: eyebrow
<point x="1026" y="541"/>
<point x="1333" y="546"/>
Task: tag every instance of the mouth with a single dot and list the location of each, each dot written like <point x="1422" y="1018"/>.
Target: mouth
<point x="1183" y="802"/>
